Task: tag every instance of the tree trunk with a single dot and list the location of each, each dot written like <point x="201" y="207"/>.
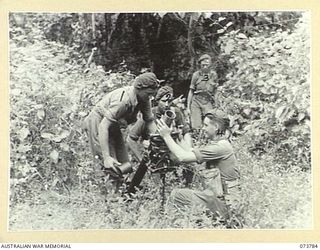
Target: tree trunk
<point x="190" y="44"/>
<point x="159" y="29"/>
<point x="82" y="22"/>
<point x="107" y="19"/>
<point x="145" y="41"/>
<point x="93" y="26"/>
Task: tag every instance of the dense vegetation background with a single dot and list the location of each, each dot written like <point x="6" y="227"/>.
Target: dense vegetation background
<point x="62" y="64"/>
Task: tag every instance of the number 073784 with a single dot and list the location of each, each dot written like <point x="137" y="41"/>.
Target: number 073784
<point x="308" y="245"/>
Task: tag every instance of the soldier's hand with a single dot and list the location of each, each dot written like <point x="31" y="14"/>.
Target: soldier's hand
<point x="145" y="144"/>
<point x="112" y="163"/>
<point x="163" y="129"/>
<point x="178" y="100"/>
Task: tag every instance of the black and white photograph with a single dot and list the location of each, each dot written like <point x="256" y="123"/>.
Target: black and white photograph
<point x="160" y="120"/>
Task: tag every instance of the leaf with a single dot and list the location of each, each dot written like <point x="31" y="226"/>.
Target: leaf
<point x="64" y="147"/>
<point x="265" y="90"/>
<point x="232" y="120"/>
<point x="54" y="155"/>
<point x="229" y="48"/>
<point x="297" y="129"/>
<point x="273" y="90"/>
<point x="280" y="112"/>
<point x="25" y="169"/>
<point x="23" y="148"/>
<point x="229" y="24"/>
<point x="220" y="31"/>
<point x="289" y="114"/>
<point x="82" y="113"/>
<point x="247" y="128"/>
<point x="241" y="36"/>
<point x="23" y="133"/>
<point x="38" y="106"/>
<point x="284" y="113"/>
<point x="64" y="134"/>
<point x="260" y="83"/>
<point x="263" y="74"/>
<point x="41" y="114"/>
<point x="55" y="182"/>
<point x="301" y="116"/>
<point x="47" y="135"/>
<point x="221" y="19"/>
<point x="247" y="111"/>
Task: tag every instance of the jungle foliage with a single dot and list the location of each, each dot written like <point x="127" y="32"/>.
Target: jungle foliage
<point x="62" y="64"/>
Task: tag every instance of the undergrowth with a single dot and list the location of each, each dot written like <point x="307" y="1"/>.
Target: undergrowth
<point x="53" y="184"/>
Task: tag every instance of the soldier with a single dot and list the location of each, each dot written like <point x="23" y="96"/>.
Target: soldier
<point x="202" y="90"/>
<point x="164" y="101"/>
<point x="216" y="154"/>
<point x="102" y="124"/>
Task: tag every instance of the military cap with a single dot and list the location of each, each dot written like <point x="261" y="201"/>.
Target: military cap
<point x="163" y="91"/>
<point x="204" y="57"/>
<point x="146" y="80"/>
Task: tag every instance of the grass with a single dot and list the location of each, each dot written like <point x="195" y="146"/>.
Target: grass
<point x="272" y="198"/>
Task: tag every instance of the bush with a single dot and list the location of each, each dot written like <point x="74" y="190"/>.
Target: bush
<point x="267" y="92"/>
